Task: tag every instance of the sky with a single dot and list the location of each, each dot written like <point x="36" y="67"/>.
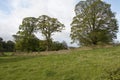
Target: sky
<point x="12" y="13"/>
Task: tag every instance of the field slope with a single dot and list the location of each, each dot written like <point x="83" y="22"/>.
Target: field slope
<point x="74" y="65"/>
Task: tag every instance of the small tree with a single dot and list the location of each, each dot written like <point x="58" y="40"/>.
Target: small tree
<point x="47" y="27"/>
<point x="94" y="23"/>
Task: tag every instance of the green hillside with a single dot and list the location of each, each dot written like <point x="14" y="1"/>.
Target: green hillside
<point x="96" y="64"/>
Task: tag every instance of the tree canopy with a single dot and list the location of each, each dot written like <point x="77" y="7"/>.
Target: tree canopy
<point x="94" y="23"/>
<point x="26" y="39"/>
<point x="47" y="26"/>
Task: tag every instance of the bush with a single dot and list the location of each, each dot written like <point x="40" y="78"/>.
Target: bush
<point x="58" y="46"/>
<point x="55" y="46"/>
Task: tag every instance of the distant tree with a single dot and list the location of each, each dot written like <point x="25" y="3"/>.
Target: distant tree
<point x="25" y="38"/>
<point x="10" y="46"/>
<point x="56" y="45"/>
<point x="1" y="39"/>
<point x="94" y="23"/>
<point x="1" y="44"/>
<point x="6" y="46"/>
<point x="65" y="46"/>
<point x="27" y="41"/>
<point x="47" y="26"/>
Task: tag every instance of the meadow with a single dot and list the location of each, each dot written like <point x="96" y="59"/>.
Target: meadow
<point x="77" y="64"/>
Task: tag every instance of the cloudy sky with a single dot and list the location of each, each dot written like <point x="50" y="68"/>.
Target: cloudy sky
<point x="13" y="11"/>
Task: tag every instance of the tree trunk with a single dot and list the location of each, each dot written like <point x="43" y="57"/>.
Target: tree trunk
<point x="49" y="42"/>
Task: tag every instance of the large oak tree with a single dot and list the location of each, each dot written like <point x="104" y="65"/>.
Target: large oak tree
<point x="94" y="23"/>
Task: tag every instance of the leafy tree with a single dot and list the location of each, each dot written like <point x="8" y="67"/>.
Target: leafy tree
<point x="48" y="26"/>
<point x="25" y="38"/>
<point x="28" y="27"/>
<point x="27" y="41"/>
<point x="94" y="23"/>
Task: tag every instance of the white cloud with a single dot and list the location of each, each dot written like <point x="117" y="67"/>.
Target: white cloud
<point x="61" y="9"/>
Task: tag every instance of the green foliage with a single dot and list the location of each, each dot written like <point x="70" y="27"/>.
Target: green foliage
<point x="42" y="45"/>
<point x="55" y="46"/>
<point x="1" y="44"/>
<point x="94" y="23"/>
<point x="25" y="38"/>
<point x="10" y="46"/>
<point x="30" y="44"/>
<point x="58" y="46"/>
<point x="73" y="65"/>
<point x="47" y="26"/>
<point x="28" y="27"/>
<point x="6" y="46"/>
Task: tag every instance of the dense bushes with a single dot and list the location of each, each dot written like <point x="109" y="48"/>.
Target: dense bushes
<point x="6" y="46"/>
<point x="58" y="46"/>
<point x="55" y="46"/>
<point x="30" y="45"/>
<point x="27" y="45"/>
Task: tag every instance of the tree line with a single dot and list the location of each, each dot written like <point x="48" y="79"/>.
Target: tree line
<point x="34" y="45"/>
<point x="93" y="24"/>
<point x="6" y="46"/>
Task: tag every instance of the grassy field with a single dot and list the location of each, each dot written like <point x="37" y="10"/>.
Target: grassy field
<point x="97" y="64"/>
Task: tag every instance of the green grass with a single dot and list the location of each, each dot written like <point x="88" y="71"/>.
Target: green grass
<point x="8" y="53"/>
<point x="76" y="65"/>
